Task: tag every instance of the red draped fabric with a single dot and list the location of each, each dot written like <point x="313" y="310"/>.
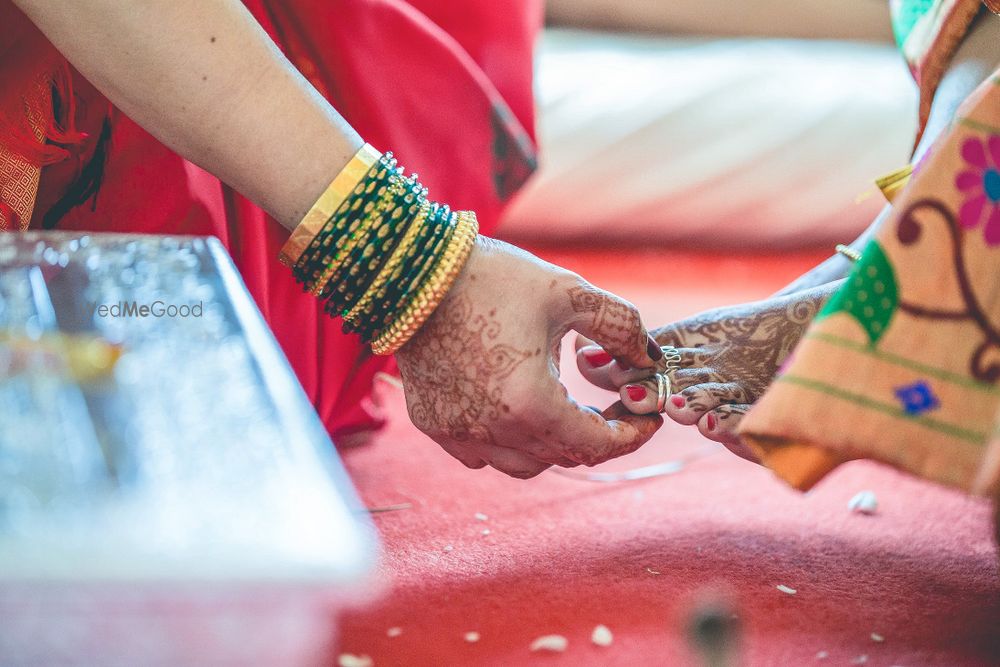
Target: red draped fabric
<point x="446" y="86"/>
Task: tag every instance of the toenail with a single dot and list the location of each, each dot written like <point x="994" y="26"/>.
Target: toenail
<point x="678" y="401"/>
<point x="635" y="392"/>
<point x="711" y="422"/>
<point x="597" y="358"/>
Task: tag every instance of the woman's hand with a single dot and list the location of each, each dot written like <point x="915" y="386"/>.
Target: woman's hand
<point x="482" y="376"/>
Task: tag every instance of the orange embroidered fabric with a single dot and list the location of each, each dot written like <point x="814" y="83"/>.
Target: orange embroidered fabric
<point x="903" y="363"/>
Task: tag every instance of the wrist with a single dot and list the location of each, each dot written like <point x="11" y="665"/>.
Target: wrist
<point x="834" y="268"/>
<point x="378" y="252"/>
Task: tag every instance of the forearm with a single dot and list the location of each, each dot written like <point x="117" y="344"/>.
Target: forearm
<point x="206" y="80"/>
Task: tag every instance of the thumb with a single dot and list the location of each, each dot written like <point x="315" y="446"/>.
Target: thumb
<point x="613" y="323"/>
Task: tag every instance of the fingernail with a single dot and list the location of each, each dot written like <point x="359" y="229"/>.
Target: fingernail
<point x="711" y="422"/>
<point x="597" y="357"/>
<point x="678" y="401"/>
<point x="653" y="349"/>
<point x="635" y="392"/>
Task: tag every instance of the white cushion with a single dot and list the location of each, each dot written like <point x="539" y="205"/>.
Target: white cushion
<point x="724" y="142"/>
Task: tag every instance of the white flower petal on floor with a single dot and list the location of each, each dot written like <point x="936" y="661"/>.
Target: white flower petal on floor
<point x="602" y="636"/>
<point x="554" y="643"/>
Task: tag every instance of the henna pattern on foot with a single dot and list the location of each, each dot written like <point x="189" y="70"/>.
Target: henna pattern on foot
<point x="739" y="348"/>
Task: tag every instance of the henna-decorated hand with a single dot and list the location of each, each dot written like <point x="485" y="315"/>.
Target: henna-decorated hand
<point x="481" y="377"/>
<point x="729" y="356"/>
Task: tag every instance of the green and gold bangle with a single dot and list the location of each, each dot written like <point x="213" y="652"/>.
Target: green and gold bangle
<point x="377" y="252"/>
<point x="446" y="270"/>
<point x="328" y="203"/>
<point x="346" y="227"/>
<point x="394" y="262"/>
<point x="406" y="283"/>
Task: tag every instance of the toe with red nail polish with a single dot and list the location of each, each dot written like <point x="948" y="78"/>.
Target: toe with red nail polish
<point x="635" y="392"/>
<point x="597" y="358"/>
<point x="678" y="401"/>
<point x="710" y="421"/>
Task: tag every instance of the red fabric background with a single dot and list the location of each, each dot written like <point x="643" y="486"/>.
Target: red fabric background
<point x="565" y="555"/>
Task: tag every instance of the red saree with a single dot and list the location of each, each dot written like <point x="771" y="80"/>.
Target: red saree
<point x="445" y="86"/>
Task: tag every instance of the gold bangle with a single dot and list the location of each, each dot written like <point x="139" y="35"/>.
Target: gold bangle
<point x="368" y="220"/>
<point x="426" y="301"/>
<point x="848" y="252"/>
<point x="434" y="290"/>
<point x="327" y="204"/>
<point x="391" y="264"/>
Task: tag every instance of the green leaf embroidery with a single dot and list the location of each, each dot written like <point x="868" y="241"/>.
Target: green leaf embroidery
<point x="870" y="295"/>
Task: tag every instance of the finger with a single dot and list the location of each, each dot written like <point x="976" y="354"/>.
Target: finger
<point x="566" y="463"/>
<point x="722" y="425"/>
<point x="594" y="364"/>
<point x="514" y="463"/>
<point x="601" y="369"/>
<point x="536" y="449"/>
<point x="582" y="341"/>
<point x="590" y="438"/>
<point x="645" y="426"/>
<point x="689" y="405"/>
<point x="463" y="453"/>
<point x="640" y="397"/>
<point x="612" y="323"/>
<point x="478" y="455"/>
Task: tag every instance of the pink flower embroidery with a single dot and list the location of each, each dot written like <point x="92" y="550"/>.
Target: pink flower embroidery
<point x="981" y="184"/>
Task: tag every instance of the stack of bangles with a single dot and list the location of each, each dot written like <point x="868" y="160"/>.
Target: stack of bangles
<point x="378" y="252"/>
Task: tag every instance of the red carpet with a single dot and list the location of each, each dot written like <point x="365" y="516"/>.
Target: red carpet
<point x="565" y="555"/>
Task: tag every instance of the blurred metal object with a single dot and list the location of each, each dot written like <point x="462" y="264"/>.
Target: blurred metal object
<point x="81" y="358"/>
<point x="167" y="493"/>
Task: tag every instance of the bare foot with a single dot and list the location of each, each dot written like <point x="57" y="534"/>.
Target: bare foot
<point x="729" y="356"/>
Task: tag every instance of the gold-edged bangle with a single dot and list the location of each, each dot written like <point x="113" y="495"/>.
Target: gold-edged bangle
<point x="327" y="204"/>
<point x="391" y="264"/>
<point x="433" y="291"/>
<point x="379" y="209"/>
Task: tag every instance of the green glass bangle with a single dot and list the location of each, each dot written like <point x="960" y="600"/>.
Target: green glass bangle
<point x="413" y="288"/>
<point x="373" y="313"/>
<point x="344" y="225"/>
<point x="387" y="249"/>
<point x="337" y="226"/>
<point x="344" y="286"/>
<point x="397" y="293"/>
